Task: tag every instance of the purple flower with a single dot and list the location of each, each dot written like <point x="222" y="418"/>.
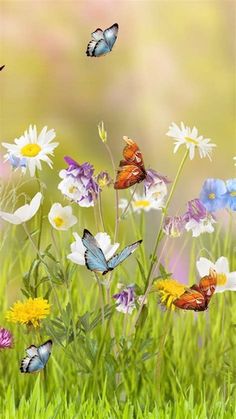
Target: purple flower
<point x="174" y="226"/>
<point x="197" y="219"/>
<point x="195" y="211"/>
<point x="230" y="195"/>
<point x="103" y="179"/>
<point x="155" y="184"/>
<point x="125" y="300"/>
<point x="78" y="183"/>
<point x="213" y="195"/>
<point x="6" y="340"/>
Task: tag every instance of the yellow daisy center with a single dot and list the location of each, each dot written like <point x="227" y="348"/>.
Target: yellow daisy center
<point x="221" y="279"/>
<point x="142" y="203"/>
<point x="58" y="221"/>
<point x="212" y="195"/>
<point x="169" y="291"/>
<point x="191" y="140"/>
<point x="233" y="193"/>
<point x="30" y="150"/>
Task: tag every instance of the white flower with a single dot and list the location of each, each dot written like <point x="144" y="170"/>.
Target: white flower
<point x="146" y="203"/>
<point x="33" y="148"/>
<point x="226" y="280"/>
<point x="24" y="213"/>
<point x="78" y="249"/>
<point x="123" y="203"/>
<point x="234" y="158"/>
<point x="202" y="226"/>
<point x="61" y="218"/>
<point x="191" y="139"/>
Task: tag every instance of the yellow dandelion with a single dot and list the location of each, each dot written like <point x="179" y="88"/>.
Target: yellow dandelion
<point x="29" y="312"/>
<point x="169" y="290"/>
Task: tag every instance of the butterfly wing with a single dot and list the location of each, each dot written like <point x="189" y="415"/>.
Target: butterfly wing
<point x="44" y="351"/>
<point x="131" y="170"/>
<point x="31" y="364"/>
<point x="32" y="351"/>
<point x="94" y="256"/>
<point x="110" y="35"/>
<point x="101" y="48"/>
<point x="207" y="285"/>
<point x="124" y="254"/>
<point x="97" y="35"/>
<point x="191" y="299"/>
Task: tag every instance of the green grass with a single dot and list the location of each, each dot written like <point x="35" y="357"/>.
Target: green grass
<point x="177" y="364"/>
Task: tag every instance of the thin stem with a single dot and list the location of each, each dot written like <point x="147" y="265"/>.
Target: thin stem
<point x="117" y="219"/>
<point x="159" y="236"/>
<point x="101" y="298"/>
<point x="100" y="211"/>
<point x="44" y="264"/>
<point x="129" y="202"/>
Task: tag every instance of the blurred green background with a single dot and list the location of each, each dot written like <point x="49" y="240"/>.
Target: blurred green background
<point x="173" y="61"/>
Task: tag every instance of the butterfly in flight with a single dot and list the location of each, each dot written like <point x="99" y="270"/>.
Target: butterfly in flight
<point x="131" y="169"/>
<point x="36" y="358"/>
<point x="197" y="297"/>
<point x="2" y="67"/>
<point x="95" y="259"/>
<point x="102" y="41"/>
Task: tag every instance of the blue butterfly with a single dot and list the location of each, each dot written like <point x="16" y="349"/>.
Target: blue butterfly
<point x="102" y="41"/>
<point x="37" y="357"/>
<point x="95" y="259"/>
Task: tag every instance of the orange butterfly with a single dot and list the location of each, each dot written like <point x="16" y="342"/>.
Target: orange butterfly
<point x="197" y="297"/>
<point x="131" y="169"/>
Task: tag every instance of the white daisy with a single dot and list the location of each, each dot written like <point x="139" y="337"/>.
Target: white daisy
<point x="226" y="280"/>
<point x="191" y="139"/>
<point x="24" y="213"/>
<point x="33" y="148"/>
<point x="146" y="203"/>
<point x="204" y="225"/>
<point x="61" y="218"/>
<point x="78" y="249"/>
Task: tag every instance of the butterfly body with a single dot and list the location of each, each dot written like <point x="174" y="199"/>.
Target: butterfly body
<point x="95" y="259"/>
<point x="102" y="41"/>
<point x="2" y="67"/>
<point x="36" y="358"/>
<point x="197" y="297"/>
<point x="131" y="169"/>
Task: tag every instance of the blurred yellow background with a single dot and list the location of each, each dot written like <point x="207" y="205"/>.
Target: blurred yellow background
<point x="173" y="61"/>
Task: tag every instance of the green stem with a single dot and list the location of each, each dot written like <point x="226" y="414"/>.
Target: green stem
<point x="159" y="235"/>
<point x="101" y="298"/>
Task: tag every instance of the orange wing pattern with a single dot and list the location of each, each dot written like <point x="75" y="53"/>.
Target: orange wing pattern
<point x="197" y="297"/>
<point x="131" y="169"/>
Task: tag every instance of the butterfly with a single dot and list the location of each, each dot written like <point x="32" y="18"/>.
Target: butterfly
<point x="131" y="169"/>
<point x="197" y="297"/>
<point x="36" y="358"/>
<point x="102" y="41"/>
<point x="2" y="67"/>
<point x="95" y="259"/>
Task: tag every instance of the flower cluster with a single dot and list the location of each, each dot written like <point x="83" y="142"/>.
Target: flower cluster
<point x="78" y="183"/>
<point x="196" y="219"/>
<point x="217" y="194"/>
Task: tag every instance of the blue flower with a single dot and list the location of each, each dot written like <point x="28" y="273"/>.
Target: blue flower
<point x="212" y="194"/>
<point x="230" y="194"/>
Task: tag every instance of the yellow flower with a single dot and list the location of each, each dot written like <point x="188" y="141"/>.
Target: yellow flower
<point x="169" y="290"/>
<point x="29" y="312"/>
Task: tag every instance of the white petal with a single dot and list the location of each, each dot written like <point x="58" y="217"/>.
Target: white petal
<point x="203" y="266"/>
<point x="11" y="218"/>
<point x="222" y="265"/>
